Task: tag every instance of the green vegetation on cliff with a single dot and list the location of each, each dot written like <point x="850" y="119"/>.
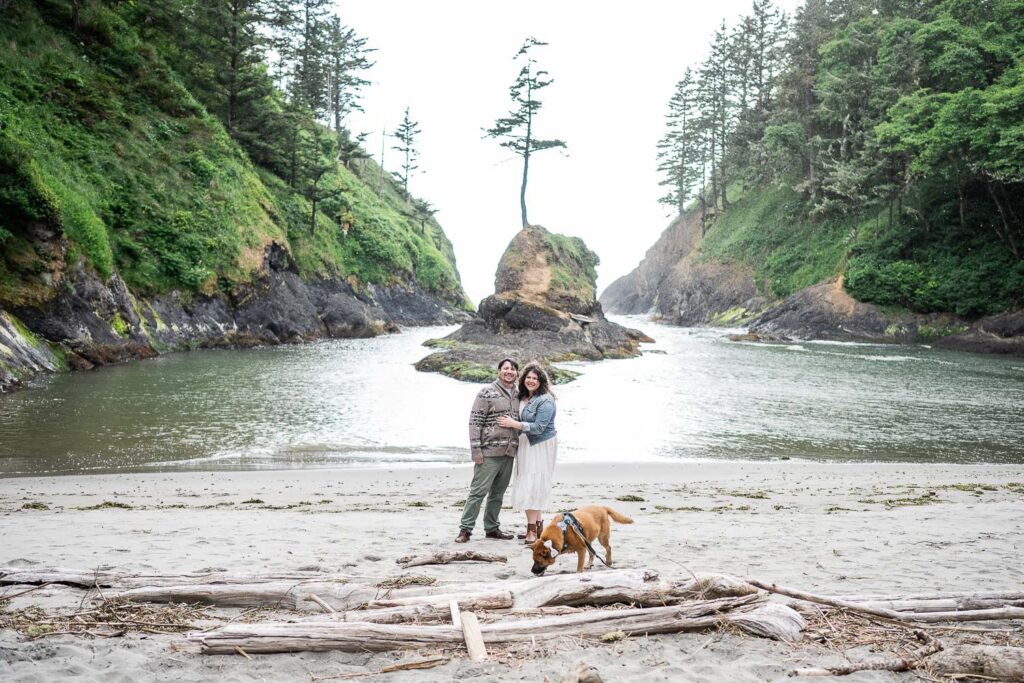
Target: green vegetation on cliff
<point x="102" y="143"/>
<point x="882" y="142"/>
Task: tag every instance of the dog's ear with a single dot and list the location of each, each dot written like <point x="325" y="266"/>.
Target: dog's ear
<point x="547" y="544"/>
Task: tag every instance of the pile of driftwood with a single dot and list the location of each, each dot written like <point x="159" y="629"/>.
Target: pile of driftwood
<point x="356" y="614"/>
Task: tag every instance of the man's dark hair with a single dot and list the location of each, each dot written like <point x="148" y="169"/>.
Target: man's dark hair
<point x="508" y="360"/>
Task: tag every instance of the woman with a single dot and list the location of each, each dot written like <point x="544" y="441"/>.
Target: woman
<point x="535" y="460"/>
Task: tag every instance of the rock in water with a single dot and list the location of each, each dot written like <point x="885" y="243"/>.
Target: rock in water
<point x="544" y="308"/>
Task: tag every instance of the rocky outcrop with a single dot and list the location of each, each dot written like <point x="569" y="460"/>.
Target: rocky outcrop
<point x="22" y="354"/>
<point x="675" y="285"/>
<point x="90" y="321"/>
<point x="544" y="308"/>
<point x="1002" y="334"/>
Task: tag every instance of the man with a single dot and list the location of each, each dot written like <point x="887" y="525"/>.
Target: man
<point x="493" y="449"/>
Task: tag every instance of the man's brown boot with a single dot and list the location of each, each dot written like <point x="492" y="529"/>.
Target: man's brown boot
<point x="500" y="535"/>
<point x="463" y="536"/>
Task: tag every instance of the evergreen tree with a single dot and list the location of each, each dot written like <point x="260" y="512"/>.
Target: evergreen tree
<point x="679" y="150"/>
<point x="301" y="40"/>
<point x="319" y="164"/>
<point x="516" y="131"/>
<point x="405" y="134"/>
<point x="347" y="58"/>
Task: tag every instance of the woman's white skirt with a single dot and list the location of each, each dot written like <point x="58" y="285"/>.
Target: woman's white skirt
<point x="534" y="472"/>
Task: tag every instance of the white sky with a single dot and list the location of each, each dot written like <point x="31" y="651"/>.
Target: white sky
<point x="615" y="67"/>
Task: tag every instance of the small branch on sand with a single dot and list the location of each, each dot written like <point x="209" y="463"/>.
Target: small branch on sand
<point x="447" y="557"/>
<point x="319" y="601"/>
<point x="428" y="663"/>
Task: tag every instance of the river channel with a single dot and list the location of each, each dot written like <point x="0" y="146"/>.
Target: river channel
<point x="693" y="395"/>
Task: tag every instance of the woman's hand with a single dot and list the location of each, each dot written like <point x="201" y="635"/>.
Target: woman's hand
<point x="507" y="422"/>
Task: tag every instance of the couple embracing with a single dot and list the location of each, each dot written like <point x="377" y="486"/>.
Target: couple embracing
<point x="511" y="438"/>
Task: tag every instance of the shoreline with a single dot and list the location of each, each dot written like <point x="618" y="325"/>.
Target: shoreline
<point x="834" y="529"/>
<point x="430" y="466"/>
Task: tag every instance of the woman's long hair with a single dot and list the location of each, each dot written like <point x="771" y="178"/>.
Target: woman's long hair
<point x="545" y="384"/>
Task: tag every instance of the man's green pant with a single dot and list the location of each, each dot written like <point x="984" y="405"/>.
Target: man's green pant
<point x="490" y="479"/>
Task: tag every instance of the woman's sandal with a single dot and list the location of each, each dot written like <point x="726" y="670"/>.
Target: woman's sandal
<point x="537" y="528"/>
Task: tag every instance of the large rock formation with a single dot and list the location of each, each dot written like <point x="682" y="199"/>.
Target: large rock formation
<point x="89" y="321"/>
<point x="674" y="284"/>
<point x="544" y="307"/>
<point x="677" y="285"/>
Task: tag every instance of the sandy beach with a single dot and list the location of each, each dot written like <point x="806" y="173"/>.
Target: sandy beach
<point x="828" y="528"/>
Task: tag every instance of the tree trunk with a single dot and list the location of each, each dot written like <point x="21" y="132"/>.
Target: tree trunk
<point x="1006" y="234"/>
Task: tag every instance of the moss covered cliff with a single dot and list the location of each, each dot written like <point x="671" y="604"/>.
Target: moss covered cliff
<point x="105" y="156"/>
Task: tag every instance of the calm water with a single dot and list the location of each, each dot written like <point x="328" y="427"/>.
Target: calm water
<point x="360" y="402"/>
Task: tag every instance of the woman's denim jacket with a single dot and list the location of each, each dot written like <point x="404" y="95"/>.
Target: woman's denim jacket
<point x="538" y="418"/>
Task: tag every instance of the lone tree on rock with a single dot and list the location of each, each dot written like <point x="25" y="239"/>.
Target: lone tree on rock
<point x="516" y="130"/>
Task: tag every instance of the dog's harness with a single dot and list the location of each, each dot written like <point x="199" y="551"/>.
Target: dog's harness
<point x="570" y="522"/>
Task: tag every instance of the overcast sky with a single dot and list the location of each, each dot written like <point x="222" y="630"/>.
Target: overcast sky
<point x="614" y="66"/>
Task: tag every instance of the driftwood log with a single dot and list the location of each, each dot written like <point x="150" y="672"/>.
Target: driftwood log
<point x="986" y="662"/>
<point x="633" y="586"/>
<point x="447" y="557"/>
<point x="921" y="617"/>
<point x="749" y="613"/>
<point x="980" y="661"/>
<point x="913" y="661"/>
<point x="91" y="578"/>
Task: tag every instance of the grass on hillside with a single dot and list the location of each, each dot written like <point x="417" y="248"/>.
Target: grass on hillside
<point x="100" y="141"/>
<point x="766" y="230"/>
<point x="903" y="266"/>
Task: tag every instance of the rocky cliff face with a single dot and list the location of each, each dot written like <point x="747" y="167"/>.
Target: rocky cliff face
<point x="544" y="308"/>
<point x="89" y="321"/>
<point x="674" y="284"/>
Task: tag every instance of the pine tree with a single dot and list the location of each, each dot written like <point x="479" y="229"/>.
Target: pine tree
<point x="405" y="134"/>
<point x="319" y="162"/>
<point x="679" y="149"/>
<point x="300" y="41"/>
<point x="347" y="58"/>
<point x="517" y="129"/>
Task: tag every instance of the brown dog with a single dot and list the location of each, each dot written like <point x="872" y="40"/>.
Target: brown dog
<point x="554" y="541"/>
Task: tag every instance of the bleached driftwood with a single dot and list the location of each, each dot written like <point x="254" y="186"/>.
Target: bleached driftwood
<point x="922" y="617"/>
<point x="89" y="578"/>
<point x="636" y="586"/>
<point x="747" y="613"/>
<point x="447" y="557"/>
<point x="293" y="595"/>
<point x="642" y="587"/>
<point x="931" y="646"/>
<point x="988" y="662"/>
<point x="991" y="661"/>
<point x="1004" y="595"/>
<point x="474" y="639"/>
<point x="440" y="610"/>
<point x="297" y="590"/>
<point x="962" y="604"/>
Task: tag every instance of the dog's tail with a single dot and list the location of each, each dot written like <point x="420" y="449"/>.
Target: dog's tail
<point x="618" y="516"/>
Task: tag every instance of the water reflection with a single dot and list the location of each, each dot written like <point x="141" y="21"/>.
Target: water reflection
<point x="360" y="401"/>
